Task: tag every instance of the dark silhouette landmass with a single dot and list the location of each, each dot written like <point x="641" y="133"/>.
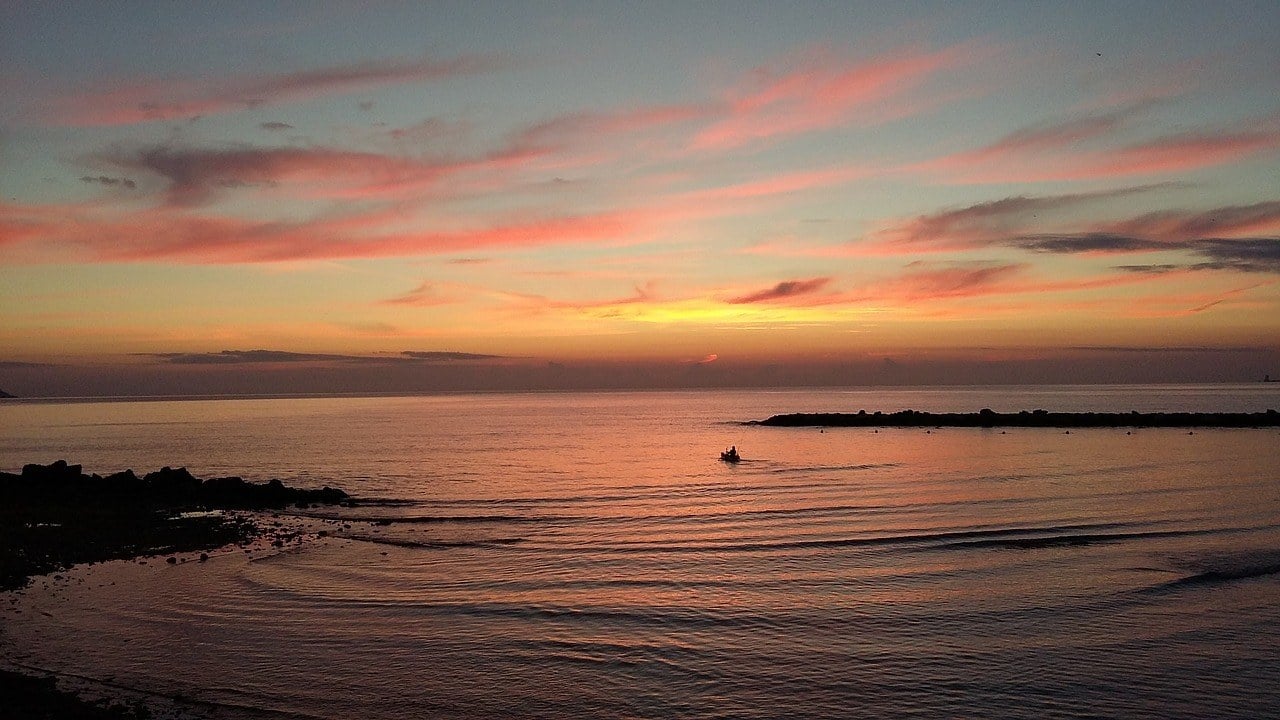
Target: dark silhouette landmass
<point x="986" y="418"/>
<point x="54" y="516"/>
<point x="4" y="394"/>
<point x="28" y="697"/>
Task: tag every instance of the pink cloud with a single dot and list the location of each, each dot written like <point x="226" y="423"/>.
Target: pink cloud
<point x="23" y="223"/>
<point x="1053" y="153"/>
<point x="924" y="282"/>
<point x="823" y="92"/>
<point x="175" y="235"/>
<point x="1223" y="222"/>
<point x="176" y="232"/>
<point x="1176" y="153"/>
<point x="152" y="100"/>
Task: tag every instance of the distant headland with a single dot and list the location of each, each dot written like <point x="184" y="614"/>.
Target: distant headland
<point x="4" y="394"/>
<point x="986" y="418"/>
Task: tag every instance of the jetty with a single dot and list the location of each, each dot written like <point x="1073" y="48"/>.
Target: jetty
<point x="987" y="418"/>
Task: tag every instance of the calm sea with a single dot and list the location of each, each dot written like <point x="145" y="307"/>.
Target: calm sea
<point x="586" y="555"/>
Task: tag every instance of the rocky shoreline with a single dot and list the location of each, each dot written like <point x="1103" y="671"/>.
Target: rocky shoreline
<point x="55" y="516"/>
<point x="1025" y="419"/>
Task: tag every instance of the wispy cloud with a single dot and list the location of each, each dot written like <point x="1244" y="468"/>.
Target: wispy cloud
<point x="1227" y="221"/>
<point x="447" y="356"/>
<point x="1051" y="136"/>
<point x="1219" y="239"/>
<point x="929" y="282"/>
<point x="425" y="295"/>
<point x="983" y="223"/>
<point x="123" y="182"/>
<point x="586" y="126"/>
<point x="783" y="290"/>
<point x="1175" y="153"/>
<point x="178" y="235"/>
<point x="1087" y="243"/>
<point x="241" y="357"/>
<point x="822" y="90"/>
<point x="431" y="131"/>
<point x="176" y="232"/>
<point x="181" y="99"/>
<point x="1084" y="148"/>
<point x="533" y="304"/>
<point x="196" y="176"/>
<point x="1236" y="237"/>
<point x="1247" y="255"/>
<point x="232" y="357"/>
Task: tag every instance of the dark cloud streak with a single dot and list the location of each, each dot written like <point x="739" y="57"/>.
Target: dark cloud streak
<point x="783" y="290"/>
<point x="110" y="181"/>
<point x="238" y="357"/>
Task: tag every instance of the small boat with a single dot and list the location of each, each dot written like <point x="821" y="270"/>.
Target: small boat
<point x="731" y="455"/>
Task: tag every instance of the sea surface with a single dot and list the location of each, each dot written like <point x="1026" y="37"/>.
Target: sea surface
<point x="586" y="555"/>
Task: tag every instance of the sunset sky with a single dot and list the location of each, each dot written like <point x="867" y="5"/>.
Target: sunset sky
<point x="257" y="197"/>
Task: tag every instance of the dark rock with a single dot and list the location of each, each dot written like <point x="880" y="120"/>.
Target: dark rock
<point x="56" y="471"/>
<point x="54" y="516"/>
